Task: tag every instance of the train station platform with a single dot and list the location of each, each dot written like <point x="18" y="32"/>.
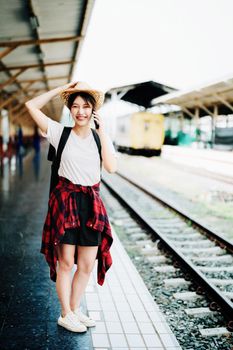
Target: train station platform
<point x="127" y="316"/>
<point x="209" y="161"/>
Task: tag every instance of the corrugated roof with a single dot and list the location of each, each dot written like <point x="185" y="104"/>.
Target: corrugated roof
<point x="40" y="43"/>
<point x="219" y="93"/>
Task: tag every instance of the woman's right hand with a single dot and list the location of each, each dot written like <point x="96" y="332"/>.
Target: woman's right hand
<point x="69" y="85"/>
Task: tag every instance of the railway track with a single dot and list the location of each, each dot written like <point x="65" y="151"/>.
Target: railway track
<point x="204" y="257"/>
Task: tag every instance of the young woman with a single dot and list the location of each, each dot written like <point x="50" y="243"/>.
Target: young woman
<point x="76" y="228"/>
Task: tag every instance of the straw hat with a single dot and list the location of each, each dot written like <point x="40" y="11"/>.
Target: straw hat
<point x="83" y="87"/>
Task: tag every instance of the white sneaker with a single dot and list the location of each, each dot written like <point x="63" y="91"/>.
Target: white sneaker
<point x="71" y="323"/>
<point x="86" y="320"/>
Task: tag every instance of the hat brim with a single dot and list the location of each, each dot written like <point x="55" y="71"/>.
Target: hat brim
<point x="97" y="95"/>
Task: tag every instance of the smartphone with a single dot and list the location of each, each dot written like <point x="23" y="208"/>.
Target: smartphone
<point x="96" y="124"/>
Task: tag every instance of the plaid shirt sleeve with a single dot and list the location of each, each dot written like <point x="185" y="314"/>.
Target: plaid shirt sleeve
<point x="62" y="214"/>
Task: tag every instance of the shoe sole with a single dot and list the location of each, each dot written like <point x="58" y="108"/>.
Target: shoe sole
<point x="86" y="323"/>
<point x="93" y="325"/>
<point x="70" y="328"/>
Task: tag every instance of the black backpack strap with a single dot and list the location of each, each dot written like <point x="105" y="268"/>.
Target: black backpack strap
<point x="97" y="140"/>
<point x="56" y="158"/>
<point x="51" y="153"/>
<point x="64" y="137"/>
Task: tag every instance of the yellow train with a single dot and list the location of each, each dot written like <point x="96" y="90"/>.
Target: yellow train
<point x="140" y="133"/>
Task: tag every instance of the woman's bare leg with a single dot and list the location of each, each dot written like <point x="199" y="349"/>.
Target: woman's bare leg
<point x="85" y="264"/>
<point x="63" y="282"/>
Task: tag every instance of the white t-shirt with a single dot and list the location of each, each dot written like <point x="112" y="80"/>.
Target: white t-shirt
<point x="80" y="161"/>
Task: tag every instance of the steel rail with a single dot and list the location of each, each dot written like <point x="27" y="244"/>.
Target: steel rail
<point x="225" y="304"/>
<point x="212" y="235"/>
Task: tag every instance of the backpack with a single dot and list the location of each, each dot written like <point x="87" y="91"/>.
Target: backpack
<point x="56" y="158"/>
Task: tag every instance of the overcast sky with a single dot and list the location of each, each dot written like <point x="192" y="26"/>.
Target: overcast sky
<point x="181" y="43"/>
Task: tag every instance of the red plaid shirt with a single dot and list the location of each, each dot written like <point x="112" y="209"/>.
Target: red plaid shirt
<point x="63" y="214"/>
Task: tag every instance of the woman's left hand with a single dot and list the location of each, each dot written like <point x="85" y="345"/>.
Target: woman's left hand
<point x="99" y="121"/>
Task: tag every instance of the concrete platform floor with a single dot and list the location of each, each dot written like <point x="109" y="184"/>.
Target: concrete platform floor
<point x="126" y="314"/>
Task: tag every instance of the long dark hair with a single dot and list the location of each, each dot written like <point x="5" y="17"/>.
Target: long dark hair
<point x="87" y="98"/>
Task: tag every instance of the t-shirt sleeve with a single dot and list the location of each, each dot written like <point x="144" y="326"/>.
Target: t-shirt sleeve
<point x="54" y="132"/>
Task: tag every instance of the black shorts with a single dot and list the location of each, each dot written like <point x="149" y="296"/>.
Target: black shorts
<point x="83" y="236"/>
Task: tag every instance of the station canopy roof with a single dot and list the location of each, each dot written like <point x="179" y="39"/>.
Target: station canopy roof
<point x="40" y="43"/>
<point x="141" y="93"/>
<point x="204" y="98"/>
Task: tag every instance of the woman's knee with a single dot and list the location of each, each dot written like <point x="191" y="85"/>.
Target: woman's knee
<point x="66" y="264"/>
<point x="85" y="268"/>
<point x="86" y="258"/>
<point x="66" y="257"/>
